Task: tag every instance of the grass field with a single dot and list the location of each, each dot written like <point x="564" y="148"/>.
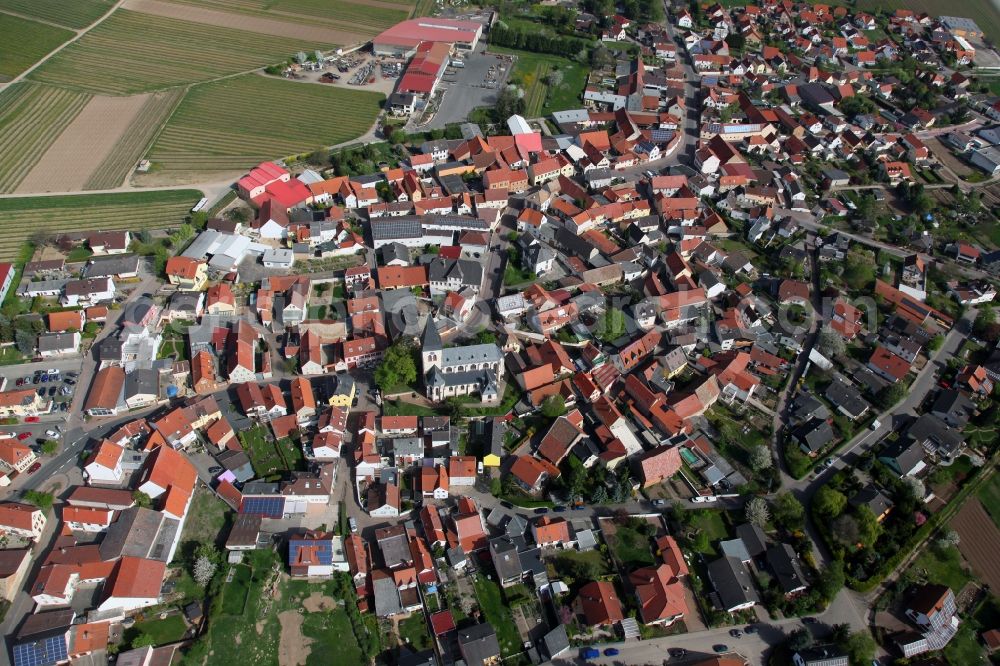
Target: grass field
<point x="135" y="211"/>
<point x="168" y="630"/>
<point x="255" y="633"/>
<point x="133" y="144"/>
<point x="989" y="495"/>
<point x="215" y="129"/>
<point x="31" y="118"/>
<point x="540" y="98"/>
<point x="131" y="52"/>
<point x="413" y="630"/>
<point x="630" y="547"/>
<point x="25" y="43"/>
<point x="75" y="14"/>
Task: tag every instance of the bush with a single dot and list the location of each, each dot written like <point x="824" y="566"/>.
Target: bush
<point x="42" y="500"/>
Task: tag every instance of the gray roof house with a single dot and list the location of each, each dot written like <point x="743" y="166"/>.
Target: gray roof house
<point x="734" y="589"/>
<point x="787" y="569"/>
<point x="822" y="655"/>
<point x="847" y="399"/>
<point x="478" y="644"/>
<point x="813" y="436"/>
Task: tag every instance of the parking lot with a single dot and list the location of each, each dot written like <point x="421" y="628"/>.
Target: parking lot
<point x="476" y="84"/>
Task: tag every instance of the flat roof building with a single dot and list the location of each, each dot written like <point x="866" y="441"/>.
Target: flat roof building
<point x="402" y="39"/>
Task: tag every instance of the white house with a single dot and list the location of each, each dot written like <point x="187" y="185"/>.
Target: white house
<point x="134" y="583"/>
<point x="23" y="520"/>
<point x="104" y="466"/>
<point x="54" y="345"/>
<point x="86" y="519"/>
<point x="88" y="292"/>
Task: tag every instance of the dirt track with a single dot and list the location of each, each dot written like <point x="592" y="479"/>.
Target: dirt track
<point x="294" y="648"/>
<point x="266" y="26"/>
<point x="980" y="541"/>
<point x="83" y="145"/>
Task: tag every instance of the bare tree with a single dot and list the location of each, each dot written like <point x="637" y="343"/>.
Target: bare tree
<point x="948" y="539"/>
<point x="757" y="512"/>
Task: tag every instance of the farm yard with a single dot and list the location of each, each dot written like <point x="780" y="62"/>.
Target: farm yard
<point x="214" y="130"/>
<point x="25" y="43"/>
<point x="980" y="540"/>
<point x="32" y="116"/>
<point x="136" y="211"/>
<point x="133" y="141"/>
<point x="364" y="18"/>
<point x="76" y="14"/>
<point x="131" y="52"/>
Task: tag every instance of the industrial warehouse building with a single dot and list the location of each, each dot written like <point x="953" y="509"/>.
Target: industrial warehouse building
<point x="402" y="39"/>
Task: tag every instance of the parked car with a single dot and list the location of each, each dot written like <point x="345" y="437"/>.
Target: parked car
<point x="31" y="419"/>
<point x="41" y="392"/>
<point x="750" y="629"/>
<point x="70" y="382"/>
<point x="590" y="653"/>
<point x="214" y="469"/>
<point x="720" y="648"/>
<point x="808" y="620"/>
<point x="53" y="434"/>
<point x="610" y="652"/>
<point x="20" y="381"/>
<point x="23" y="435"/>
<point x="559" y="509"/>
<point x="541" y="510"/>
<point x="678" y="653"/>
<point x="659" y="502"/>
<point x="354" y="525"/>
<point x="35" y="466"/>
<point x="735" y="633"/>
<point x="52" y="391"/>
<point x="44" y="379"/>
<point x="64" y="407"/>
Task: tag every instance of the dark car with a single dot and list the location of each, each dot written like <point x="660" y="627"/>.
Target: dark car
<point x="41" y="392"/>
<point x="20" y="381"/>
<point x="558" y="509"/>
<point x="71" y="382"/>
<point x="64" y="407"/>
<point x="34" y="467"/>
<point x="610" y="652"/>
<point x="505" y="504"/>
<point x="541" y="509"/>
<point x="52" y="391"/>
<point x="677" y="653"/>
<point x="808" y="620"/>
<point x="750" y="629"/>
<point x="214" y="470"/>
<point x="720" y="648"/>
<point x="735" y="633"/>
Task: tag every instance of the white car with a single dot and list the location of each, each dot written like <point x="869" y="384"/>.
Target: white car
<point x="698" y="499"/>
<point x="53" y="434"/>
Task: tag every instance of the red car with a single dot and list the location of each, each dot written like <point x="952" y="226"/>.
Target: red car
<point x="31" y="419"/>
<point x="34" y="468"/>
<point x="23" y="435"/>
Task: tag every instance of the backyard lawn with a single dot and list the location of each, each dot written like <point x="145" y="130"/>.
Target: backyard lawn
<point x="631" y="547"/>
<point x="498" y="614"/>
<point x="168" y="630"/>
<point x="944" y="568"/>
<point x="413" y="630"/>
<point x="234" y="593"/>
<point x="206" y="518"/>
<point x="264" y="455"/>
<point x="534" y="71"/>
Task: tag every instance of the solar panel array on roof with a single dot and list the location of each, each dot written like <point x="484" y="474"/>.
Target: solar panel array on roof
<point x="270" y="507"/>
<point x="661" y="135"/>
<point x="740" y="129"/>
<point x="400" y="227"/>
<point x="46" y="652"/>
<point x="324" y="550"/>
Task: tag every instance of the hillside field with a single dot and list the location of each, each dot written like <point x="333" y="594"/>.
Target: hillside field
<point x="32" y="117"/>
<point x="24" y="42"/>
<point x="132" y="52"/>
<point x="983" y="12"/>
<point x="214" y="129"/>
<point x="24" y="216"/>
<point x="366" y="17"/>
<point x="75" y="14"/>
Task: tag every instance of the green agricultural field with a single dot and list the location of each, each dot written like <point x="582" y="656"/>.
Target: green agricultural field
<point x="25" y="42"/>
<point x="531" y="71"/>
<point x="74" y="14"/>
<point x="31" y="117"/>
<point x="134" y="142"/>
<point x="983" y="12"/>
<point x="132" y="52"/>
<point x="366" y="19"/>
<point x="215" y="129"/>
<point x="23" y="217"/>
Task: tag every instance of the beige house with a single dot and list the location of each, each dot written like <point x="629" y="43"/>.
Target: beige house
<point x="20" y="402"/>
<point x="23" y="520"/>
<point x="15" y="456"/>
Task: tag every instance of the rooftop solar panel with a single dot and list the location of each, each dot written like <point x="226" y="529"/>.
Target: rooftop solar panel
<point x="45" y="652"/>
<point x="271" y="507"/>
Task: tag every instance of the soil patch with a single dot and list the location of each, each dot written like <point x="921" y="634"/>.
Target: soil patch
<point x="317" y="603"/>
<point x="267" y="26"/>
<point x="980" y="541"/>
<point x="83" y="145"/>
<point x="294" y="648"/>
